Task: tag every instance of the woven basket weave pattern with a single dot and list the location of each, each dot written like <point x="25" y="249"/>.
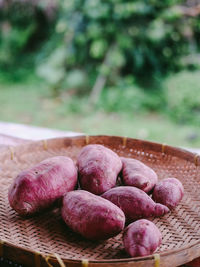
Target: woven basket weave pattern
<point x="47" y="234"/>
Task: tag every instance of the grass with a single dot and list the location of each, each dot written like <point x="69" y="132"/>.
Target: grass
<point x="31" y="103"/>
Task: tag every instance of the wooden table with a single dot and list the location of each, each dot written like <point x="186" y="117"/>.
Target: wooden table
<point x="16" y="134"/>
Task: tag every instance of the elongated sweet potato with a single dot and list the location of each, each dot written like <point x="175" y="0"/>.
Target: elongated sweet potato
<point x="134" y="202"/>
<point x="141" y="238"/>
<point x="168" y="192"/>
<point x="92" y="216"/>
<point x="135" y="173"/>
<point x="41" y="186"/>
<point x="98" y="168"/>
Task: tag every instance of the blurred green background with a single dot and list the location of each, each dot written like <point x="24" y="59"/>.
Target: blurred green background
<point x="114" y="67"/>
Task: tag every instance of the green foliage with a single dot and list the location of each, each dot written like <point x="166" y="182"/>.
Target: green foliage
<point x="131" y="44"/>
<point x="31" y="103"/>
<point x="179" y="98"/>
<point x="183" y="97"/>
<point x="146" y="39"/>
<point x="128" y="97"/>
<point x="23" y="27"/>
<point x="115" y="38"/>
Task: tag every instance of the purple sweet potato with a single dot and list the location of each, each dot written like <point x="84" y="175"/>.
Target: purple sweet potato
<point x="98" y="168"/>
<point x="134" y="202"/>
<point x="135" y="173"/>
<point x="168" y="192"/>
<point x="43" y="185"/>
<point x="92" y="216"/>
<point x="141" y="238"/>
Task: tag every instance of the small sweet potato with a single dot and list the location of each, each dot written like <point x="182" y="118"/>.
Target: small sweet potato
<point x="98" y="168"/>
<point x="134" y="202"/>
<point x="92" y="216"/>
<point x="141" y="238"/>
<point x="135" y="173"/>
<point x="168" y="192"/>
<point x="41" y="186"/>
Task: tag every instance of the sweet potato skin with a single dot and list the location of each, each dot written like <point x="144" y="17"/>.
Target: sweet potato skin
<point x="98" y="168"/>
<point x="41" y="186"/>
<point x="135" y="173"/>
<point x="91" y="216"/>
<point x="134" y="202"/>
<point x="168" y="192"/>
<point x="141" y="238"/>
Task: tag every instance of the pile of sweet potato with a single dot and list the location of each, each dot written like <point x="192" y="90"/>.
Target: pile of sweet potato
<point x="91" y="202"/>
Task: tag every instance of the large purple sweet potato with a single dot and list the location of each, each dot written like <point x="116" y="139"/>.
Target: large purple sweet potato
<point x="41" y="186"/>
<point x="141" y="238"/>
<point x="134" y="202"/>
<point x="92" y="216"/>
<point x="168" y="192"/>
<point x="135" y="173"/>
<point x="98" y="168"/>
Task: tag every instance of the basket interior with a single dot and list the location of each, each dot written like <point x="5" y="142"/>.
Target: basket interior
<point x="48" y="234"/>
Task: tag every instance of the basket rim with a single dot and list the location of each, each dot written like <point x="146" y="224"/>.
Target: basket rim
<point x="130" y="259"/>
<point x="163" y="148"/>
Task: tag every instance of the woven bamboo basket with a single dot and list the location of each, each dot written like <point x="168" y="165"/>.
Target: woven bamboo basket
<point x="46" y="241"/>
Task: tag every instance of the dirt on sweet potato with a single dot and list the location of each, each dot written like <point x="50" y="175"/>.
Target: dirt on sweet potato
<point x="141" y="238"/>
<point x="135" y="203"/>
<point x="168" y="192"/>
<point x="98" y="168"/>
<point x="43" y="185"/>
<point x="135" y="173"/>
<point x="92" y="216"/>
